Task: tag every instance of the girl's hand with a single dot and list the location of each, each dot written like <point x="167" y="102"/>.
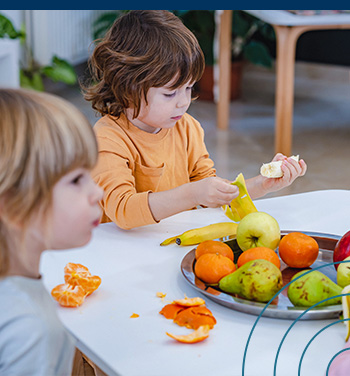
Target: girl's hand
<point x="291" y="170"/>
<point x="213" y="192"/>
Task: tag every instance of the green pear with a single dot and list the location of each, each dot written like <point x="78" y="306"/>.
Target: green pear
<point x="257" y="280"/>
<point x="311" y="288"/>
<point x="343" y="273"/>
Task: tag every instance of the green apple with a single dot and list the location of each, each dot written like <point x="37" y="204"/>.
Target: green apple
<point x="258" y="229"/>
<point x="343" y="273"/>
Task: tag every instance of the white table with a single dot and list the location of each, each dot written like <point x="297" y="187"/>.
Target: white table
<point x="288" y="28"/>
<point x="133" y="268"/>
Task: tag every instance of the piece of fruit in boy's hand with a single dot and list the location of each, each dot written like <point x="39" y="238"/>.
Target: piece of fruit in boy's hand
<point x="77" y="274"/>
<point x="68" y="295"/>
<point x="273" y="169"/>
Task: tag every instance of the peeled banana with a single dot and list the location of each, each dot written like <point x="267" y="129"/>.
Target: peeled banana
<point x="346" y="308"/>
<point x="273" y="169"/>
<point x="241" y="205"/>
<point x="198" y="235"/>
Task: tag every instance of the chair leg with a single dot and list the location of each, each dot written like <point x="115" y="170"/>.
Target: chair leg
<point x="224" y="61"/>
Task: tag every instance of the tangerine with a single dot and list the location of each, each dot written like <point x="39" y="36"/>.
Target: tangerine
<point x="298" y="250"/>
<point x="214" y="246"/>
<point x="68" y="295"/>
<point x="259" y="253"/>
<point x="211" y="267"/>
<point x="77" y="274"/>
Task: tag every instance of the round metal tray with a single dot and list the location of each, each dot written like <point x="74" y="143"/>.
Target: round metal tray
<point x="281" y="307"/>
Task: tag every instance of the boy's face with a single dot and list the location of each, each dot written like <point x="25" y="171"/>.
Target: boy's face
<point x="165" y="107"/>
<point x="75" y="209"/>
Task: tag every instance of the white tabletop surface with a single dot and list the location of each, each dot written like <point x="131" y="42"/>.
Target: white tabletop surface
<point x="282" y="17"/>
<point x="133" y="268"/>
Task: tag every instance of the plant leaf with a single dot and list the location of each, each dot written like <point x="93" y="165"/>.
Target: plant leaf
<point x="60" y="70"/>
<point x="7" y="29"/>
<point x="33" y="81"/>
<point x="257" y="53"/>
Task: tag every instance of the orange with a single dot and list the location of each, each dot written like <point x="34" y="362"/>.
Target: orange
<point x="298" y="250"/>
<point x="68" y="295"/>
<point x="211" y="267"/>
<point x="77" y="274"/>
<point x="214" y="246"/>
<point x="196" y="336"/>
<point x="258" y="253"/>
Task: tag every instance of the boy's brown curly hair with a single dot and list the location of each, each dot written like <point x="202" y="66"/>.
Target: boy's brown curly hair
<point x="142" y="49"/>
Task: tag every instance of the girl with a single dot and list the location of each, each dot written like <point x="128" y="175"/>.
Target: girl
<point x="47" y="201"/>
<point x="153" y="162"/>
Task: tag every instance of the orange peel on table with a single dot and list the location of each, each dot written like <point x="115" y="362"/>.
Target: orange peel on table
<point x="77" y="274"/>
<point x="195" y="317"/>
<point x="189" y="302"/>
<point x="197" y="335"/>
<point x="170" y="311"/>
<point x="68" y="295"/>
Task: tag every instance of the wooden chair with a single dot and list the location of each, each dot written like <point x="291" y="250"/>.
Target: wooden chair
<point x="288" y="28"/>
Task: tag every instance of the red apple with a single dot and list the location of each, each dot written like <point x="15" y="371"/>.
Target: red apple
<point x="342" y="249"/>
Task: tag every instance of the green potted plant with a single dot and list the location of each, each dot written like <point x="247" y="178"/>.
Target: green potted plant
<point x="252" y="40"/>
<point x="31" y="73"/>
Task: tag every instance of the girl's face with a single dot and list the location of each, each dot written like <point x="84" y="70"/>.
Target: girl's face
<point x="165" y="107"/>
<point x="75" y="210"/>
<point x="74" y="213"/>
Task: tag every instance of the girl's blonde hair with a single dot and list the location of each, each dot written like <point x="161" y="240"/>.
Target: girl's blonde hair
<point x="143" y="49"/>
<point x="42" y="137"/>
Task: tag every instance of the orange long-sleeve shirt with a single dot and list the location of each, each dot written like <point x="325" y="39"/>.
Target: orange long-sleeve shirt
<point x="132" y="163"/>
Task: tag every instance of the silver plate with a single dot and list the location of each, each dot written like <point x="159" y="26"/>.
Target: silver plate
<point x="282" y="308"/>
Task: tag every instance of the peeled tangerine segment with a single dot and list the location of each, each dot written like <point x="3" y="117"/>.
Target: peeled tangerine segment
<point x="273" y="169"/>
<point x="196" y="336"/>
<point x="241" y="205"/>
<point x="189" y="302"/>
<point x="346" y="308"/>
<point x="77" y="274"/>
<point x="68" y="295"/>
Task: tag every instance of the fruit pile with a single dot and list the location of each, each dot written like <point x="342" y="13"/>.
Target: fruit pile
<point x="79" y="283"/>
<point x="256" y="273"/>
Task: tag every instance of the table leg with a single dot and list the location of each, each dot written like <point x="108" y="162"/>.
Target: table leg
<point x="286" y="39"/>
<point x="224" y="62"/>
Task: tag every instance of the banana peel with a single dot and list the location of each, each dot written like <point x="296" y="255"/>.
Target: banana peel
<point x="346" y="308"/>
<point x="241" y="205"/>
<point x="198" y="235"/>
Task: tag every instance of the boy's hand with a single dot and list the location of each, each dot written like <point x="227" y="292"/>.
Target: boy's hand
<point x="214" y="192"/>
<point x="291" y="170"/>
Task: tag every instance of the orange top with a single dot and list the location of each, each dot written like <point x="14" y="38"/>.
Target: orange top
<point x="133" y="163"/>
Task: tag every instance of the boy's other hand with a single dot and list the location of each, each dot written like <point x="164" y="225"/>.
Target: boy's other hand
<point x="214" y="192"/>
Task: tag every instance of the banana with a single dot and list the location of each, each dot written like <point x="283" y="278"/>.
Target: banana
<point x="241" y="205"/>
<point x="346" y="308"/>
<point x="273" y="169"/>
<point x="198" y="235"/>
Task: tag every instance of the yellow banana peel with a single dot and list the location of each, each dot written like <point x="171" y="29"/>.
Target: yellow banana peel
<point x="198" y="235"/>
<point x="241" y="205"/>
<point x="346" y="308"/>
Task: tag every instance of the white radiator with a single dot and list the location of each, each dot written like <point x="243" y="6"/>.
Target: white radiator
<point x="65" y="33"/>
